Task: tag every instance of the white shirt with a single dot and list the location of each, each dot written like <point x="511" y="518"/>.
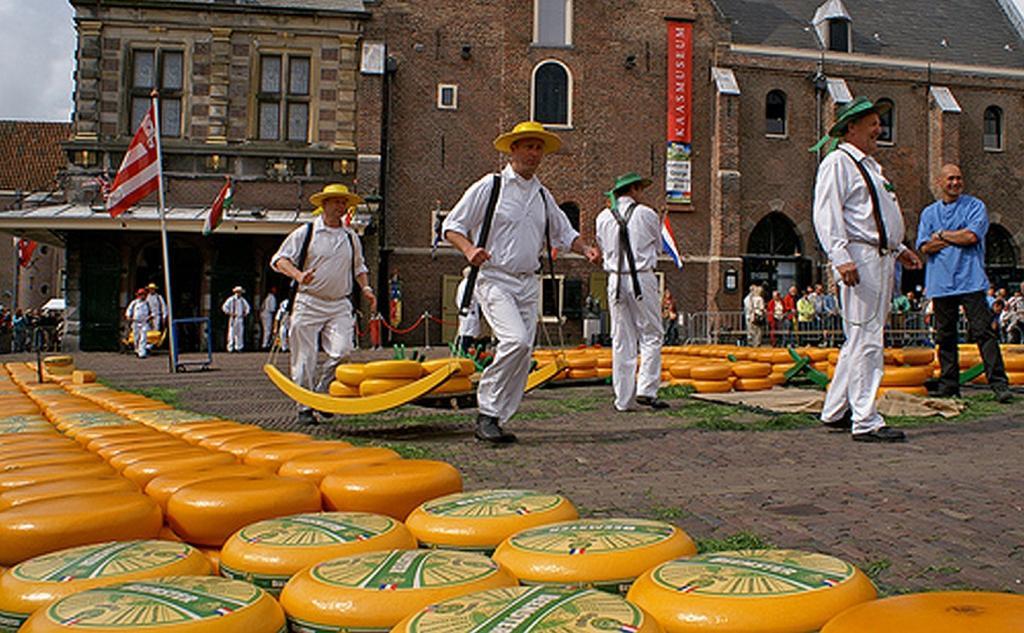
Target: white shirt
<point x="644" y="236"/>
<point x="235" y="306"/>
<point x="842" y="205"/>
<point x="138" y="311"/>
<point x="752" y="304"/>
<point x="269" y="305"/>
<point x="157" y="306"/>
<point x="329" y="255"/>
<point x="516" y="240"/>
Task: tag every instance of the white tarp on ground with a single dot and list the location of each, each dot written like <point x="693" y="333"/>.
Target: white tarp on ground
<point x="792" y="400"/>
<point x="57" y="303"/>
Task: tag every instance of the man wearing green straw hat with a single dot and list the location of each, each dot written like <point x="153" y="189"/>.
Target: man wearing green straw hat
<point x="629" y="235"/>
<point x="860" y="226"/>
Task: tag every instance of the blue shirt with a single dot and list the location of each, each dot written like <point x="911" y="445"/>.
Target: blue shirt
<point x="955" y="270"/>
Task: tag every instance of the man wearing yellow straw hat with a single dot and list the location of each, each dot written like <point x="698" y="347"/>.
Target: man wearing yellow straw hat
<point x="522" y="221"/>
<point x="859" y="223"/>
<point x="325" y="259"/>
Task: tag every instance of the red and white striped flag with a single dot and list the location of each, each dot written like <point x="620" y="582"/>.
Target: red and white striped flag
<point x="139" y="174"/>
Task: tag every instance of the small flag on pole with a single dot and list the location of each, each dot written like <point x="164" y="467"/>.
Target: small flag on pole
<point x="25" y="249"/>
<point x="139" y="173"/>
<point x="216" y="215"/>
<point x="668" y="242"/>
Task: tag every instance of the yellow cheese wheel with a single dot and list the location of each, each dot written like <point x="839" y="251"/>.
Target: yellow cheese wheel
<point x="547" y="609"/>
<point x="1013" y="362"/>
<point x="37" y="582"/>
<point x="466" y="366"/>
<point x="393" y="488"/>
<point x="350" y="374"/>
<point x="38" y="474"/>
<point x="48" y="525"/>
<point x="711" y="371"/>
<point x="165" y="417"/>
<point x="64" y="488"/>
<point x="208" y="512"/>
<point x="161" y="488"/>
<point x="455" y="384"/>
<point x="179" y="604"/>
<point x="27" y="428"/>
<point x="941" y="611"/>
<point x="108" y="448"/>
<point x="43" y="447"/>
<point x="315" y="467"/>
<point x="375" y="590"/>
<point x="751" y="370"/>
<point x="83" y="376"/>
<point x="1015" y="377"/>
<point x="581" y="361"/>
<point x="915" y="391"/>
<point x="271" y="457"/>
<point x="605" y="553"/>
<point x="141" y="473"/>
<point x="85" y="433"/>
<point x="583" y="374"/>
<point x="374" y="386"/>
<point x="916" y="355"/>
<point x="905" y="376"/>
<point x="753" y="384"/>
<point x="712" y="386"/>
<point x="198" y="430"/>
<point x="341" y="390"/>
<point x="215" y="440"/>
<point x="121" y="461"/>
<point x="58" y="456"/>
<point x="239" y="446"/>
<point x="392" y="369"/>
<point x="755" y="591"/>
<point x="482" y="519"/>
<point x="268" y="553"/>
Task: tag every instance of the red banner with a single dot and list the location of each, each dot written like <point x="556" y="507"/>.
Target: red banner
<point x="680" y="69"/>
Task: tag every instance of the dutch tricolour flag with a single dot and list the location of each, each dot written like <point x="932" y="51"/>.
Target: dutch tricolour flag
<point x="668" y="242"/>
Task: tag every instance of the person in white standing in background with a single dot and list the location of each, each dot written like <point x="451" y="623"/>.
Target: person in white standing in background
<point x="860" y="226"/>
<point x="157" y="308"/>
<point x="282" y="318"/>
<point x="141" y="319"/>
<point x="754" y="312"/>
<point x="629" y="236"/>
<point x="267" y="311"/>
<point x="237" y="308"/>
<point x="469" y="325"/>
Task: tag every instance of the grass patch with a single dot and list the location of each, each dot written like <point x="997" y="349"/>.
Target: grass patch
<point x="667" y="513"/>
<point x="737" y="541"/>
<point x="979" y="406"/>
<point x="708" y="416"/>
<point x="675" y="392"/>
<point x="163" y="394"/>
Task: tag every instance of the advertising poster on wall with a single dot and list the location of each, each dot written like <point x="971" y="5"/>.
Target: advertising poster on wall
<point x="680" y="66"/>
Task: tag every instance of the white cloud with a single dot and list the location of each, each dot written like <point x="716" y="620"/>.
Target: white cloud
<point x="37" y="49"/>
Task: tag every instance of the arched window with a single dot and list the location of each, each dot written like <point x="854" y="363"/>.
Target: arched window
<point x="888" y="135"/>
<point x="552" y="94"/>
<point x="775" y="234"/>
<point x="1000" y="250"/>
<point x="775" y="113"/>
<point x="993" y="138"/>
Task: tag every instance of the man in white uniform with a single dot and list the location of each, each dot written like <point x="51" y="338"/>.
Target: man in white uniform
<point x="141" y="319"/>
<point x="237" y="308"/>
<point x="629" y="236"/>
<point x="283" y="317"/>
<point x="859" y="223"/>
<point x="267" y="311"/>
<point x="469" y="324"/>
<point x="157" y="308"/>
<point x="507" y="288"/>
<point x="323" y="308"/>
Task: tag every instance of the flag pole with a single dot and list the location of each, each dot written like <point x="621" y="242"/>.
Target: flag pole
<point x="173" y="351"/>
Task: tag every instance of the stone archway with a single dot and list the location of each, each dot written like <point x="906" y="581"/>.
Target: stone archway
<point x="774" y="255"/>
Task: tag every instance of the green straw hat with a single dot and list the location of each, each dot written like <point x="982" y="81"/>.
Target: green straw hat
<point x="623" y="182"/>
<point x="850" y="112"/>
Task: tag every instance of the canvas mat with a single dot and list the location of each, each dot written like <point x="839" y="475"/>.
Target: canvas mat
<point x="793" y="400"/>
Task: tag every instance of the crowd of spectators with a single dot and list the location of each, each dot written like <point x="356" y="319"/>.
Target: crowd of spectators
<point x="27" y="330"/>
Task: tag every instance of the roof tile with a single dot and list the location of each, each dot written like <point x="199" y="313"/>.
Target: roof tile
<point x="30" y="154"/>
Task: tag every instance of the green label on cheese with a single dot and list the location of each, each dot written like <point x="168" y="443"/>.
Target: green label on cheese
<point x="174" y="416"/>
<point x="100" y="561"/>
<point x="314" y="530"/>
<point x="405" y="569"/>
<point x="593" y="536"/>
<point x="753" y="573"/>
<point x="492" y="503"/>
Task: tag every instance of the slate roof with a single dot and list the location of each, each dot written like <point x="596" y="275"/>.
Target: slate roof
<point x="332" y="6"/>
<point x="30" y="154"/>
<point x="976" y="32"/>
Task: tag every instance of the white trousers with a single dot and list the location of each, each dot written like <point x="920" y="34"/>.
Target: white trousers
<point x="236" y="333"/>
<point x="636" y="325"/>
<point x="858" y="374"/>
<point x="139" y="329"/>
<point x="510" y="305"/>
<point x="267" y="321"/>
<point x="316" y="322"/>
<point x="282" y="332"/>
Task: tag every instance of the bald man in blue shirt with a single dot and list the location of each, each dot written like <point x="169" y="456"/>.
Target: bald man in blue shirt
<point x="951" y="233"/>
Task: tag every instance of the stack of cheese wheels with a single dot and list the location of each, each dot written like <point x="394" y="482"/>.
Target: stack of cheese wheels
<point x="375" y="590"/>
<point x="268" y="553"/>
<point x="942" y="611"/>
<point x="1013" y="362"/>
<point x="385" y="375"/>
<point x="482" y="519"/>
<point x="604" y="363"/>
<point x="582" y="364"/>
<point x="711" y="377"/>
<point x="393" y="488"/>
<point x="460" y="381"/>
<point x="315" y="467"/>
<point x="37" y="582"/>
<point x="905" y="379"/>
<point x="347" y="376"/>
<point x="680" y="371"/>
<point x="208" y="512"/>
<point x="755" y="591"/>
<point x="604" y="553"/>
<point x="540" y="608"/>
<point x="167" y="605"/>
<point x="752" y="376"/>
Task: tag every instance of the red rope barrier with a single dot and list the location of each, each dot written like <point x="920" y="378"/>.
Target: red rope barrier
<point x="406" y="330"/>
<point x="441" y="321"/>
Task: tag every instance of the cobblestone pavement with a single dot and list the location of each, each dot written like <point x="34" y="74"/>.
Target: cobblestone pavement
<point x="945" y="510"/>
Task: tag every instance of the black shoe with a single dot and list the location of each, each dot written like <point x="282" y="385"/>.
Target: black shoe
<point x="306" y="418"/>
<point x="844" y="423"/>
<point x="654" y="403"/>
<point x="488" y="430"/>
<point x="1003" y="395"/>
<point x="883" y="434"/>
<point x="324" y="415"/>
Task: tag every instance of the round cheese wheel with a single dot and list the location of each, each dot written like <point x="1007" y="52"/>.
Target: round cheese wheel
<point x="374" y="386"/>
<point x="393" y="488"/>
<point x="179" y="604"/>
<point x="350" y="374"/>
<point x="544" y="608"/>
<point x="40" y="428"/>
<point x="1013" y="362"/>
<point x="583" y="374"/>
<point x="945" y="611"/>
<point x="341" y="390"/>
<point x="161" y="487"/>
<point x="208" y="512"/>
<point x="455" y="384"/>
<point x="753" y="384"/>
<point x="64" y="488"/>
<point x="141" y="473"/>
<point x="482" y="519"/>
<point x="751" y="370"/>
<point x="37" y="582"/>
<point x="316" y="467"/>
<point x="756" y="591"/>
<point x="239" y="446"/>
<point x="375" y="590"/>
<point x="35" y="449"/>
<point x="1015" y="377"/>
<point x="391" y="369"/>
<point x="214" y="441"/>
<point x="271" y="457"/>
<point x="466" y="366"/>
<point x="164" y="417"/>
<point x="711" y="371"/>
<point x="48" y="525"/>
<point x="121" y="461"/>
<point x="109" y="448"/>
<point x="198" y="429"/>
<point x="86" y="434"/>
<point x="59" y="456"/>
<point x="711" y="386"/>
<point x="39" y="474"/>
<point x="268" y="553"/>
<point x="905" y="376"/>
<point x="916" y="355"/>
<point x="604" y="553"/>
<point x="581" y="361"/>
<point x="681" y="370"/>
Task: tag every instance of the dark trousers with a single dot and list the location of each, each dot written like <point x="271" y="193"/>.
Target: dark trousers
<point x="979" y="327"/>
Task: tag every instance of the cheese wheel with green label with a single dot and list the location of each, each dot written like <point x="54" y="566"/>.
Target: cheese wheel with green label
<point x="165" y="417"/>
<point x="161" y="488"/>
<point x="37" y="582"/>
<point x="64" y="488"/>
<point x="315" y="467"/>
<point x="173" y="604"/>
<point x="375" y="590"/>
<point x="271" y="457"/>
<point x="49" y="525"/>
<point x="518" y="609"/>
<point x="393" y="488"/>
<point x="755" y="591"/>
<point x="604" y="553"/>
<point x="482" y="519"/>
<point x="141" y="473"/>
<point x="208" y="512"/>
<point x="268" y="553"/>
<point x="38" y="474"/>
<point x="108" y="448"/>
<point x="938" y="612"/>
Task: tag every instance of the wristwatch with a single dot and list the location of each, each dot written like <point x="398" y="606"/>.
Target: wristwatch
<point x="365" y="288"/>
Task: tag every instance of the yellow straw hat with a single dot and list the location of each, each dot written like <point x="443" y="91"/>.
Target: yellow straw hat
<point x="335" y="191"/>
<point x="528" y="129"/>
